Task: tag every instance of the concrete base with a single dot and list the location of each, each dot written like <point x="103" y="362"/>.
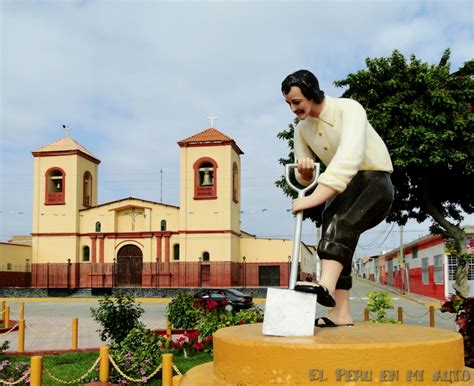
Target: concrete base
<point x="374" y="354"/>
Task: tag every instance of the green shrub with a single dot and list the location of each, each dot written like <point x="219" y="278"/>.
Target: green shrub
<point x="117" y="317"/>
<point x="138" y="355"/>
<point x="463" y="308"/>
<point x="12" y="371"/>
<point x="205" y="316"/>
<point x="251" y="315"/>
<point x="182" y="313"/>
<point x="210" y="322"/>
<point x="378" y="304"/>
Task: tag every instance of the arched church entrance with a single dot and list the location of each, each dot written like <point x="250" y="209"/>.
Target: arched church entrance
<point x="129" y="266"/>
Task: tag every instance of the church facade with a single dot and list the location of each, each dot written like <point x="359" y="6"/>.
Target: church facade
<point x="131" y="242"/>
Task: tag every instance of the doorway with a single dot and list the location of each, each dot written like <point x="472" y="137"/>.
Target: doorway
<point x="129" y="266"/>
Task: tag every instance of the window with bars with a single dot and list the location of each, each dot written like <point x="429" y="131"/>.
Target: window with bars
<point x="438" y="269"/>
<point x="425" y="275"/>
<point x="452" y="265"/>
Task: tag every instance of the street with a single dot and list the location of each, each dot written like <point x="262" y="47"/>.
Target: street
<point x="49" y="320"/>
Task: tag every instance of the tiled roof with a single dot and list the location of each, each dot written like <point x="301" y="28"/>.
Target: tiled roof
<point x="208" y="136"/>
<point x="64" y="144"/>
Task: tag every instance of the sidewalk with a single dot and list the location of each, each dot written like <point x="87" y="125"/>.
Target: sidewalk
<point x="420" y="299"/>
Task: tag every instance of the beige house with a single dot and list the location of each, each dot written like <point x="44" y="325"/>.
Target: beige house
<point x="77" y="242"/>
<point x="14" y="257"/>
<point x="15" y="263"/>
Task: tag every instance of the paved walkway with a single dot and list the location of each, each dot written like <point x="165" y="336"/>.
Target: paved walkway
<point x="49" y="322"/>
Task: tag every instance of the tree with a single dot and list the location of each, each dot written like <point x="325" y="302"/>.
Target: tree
<point x="424" y="114"/>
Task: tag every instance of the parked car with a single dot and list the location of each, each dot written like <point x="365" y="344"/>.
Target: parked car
<point x="231" y="299"/>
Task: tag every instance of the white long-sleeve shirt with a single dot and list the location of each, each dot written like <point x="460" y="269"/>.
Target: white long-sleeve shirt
<point x="343" y="140"/>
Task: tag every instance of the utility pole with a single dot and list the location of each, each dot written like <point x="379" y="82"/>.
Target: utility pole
<point x="406" y="276"/>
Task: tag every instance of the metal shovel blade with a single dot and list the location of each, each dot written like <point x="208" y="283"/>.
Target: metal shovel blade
<point x="289" y="313"/>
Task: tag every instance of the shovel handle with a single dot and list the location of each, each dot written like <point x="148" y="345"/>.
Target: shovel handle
<point x="299" y="220"/>
<point x="301" y="192"/>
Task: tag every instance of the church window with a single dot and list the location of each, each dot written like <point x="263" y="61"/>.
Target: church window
<point x="163" y="225"/>
<point x="205" y="179"/>
<point x="176" y="252"/>
<point x="205" y="256"/>
<point x="235" y="182"/>
<point x="97" y="226"/>
<point x="87" y="190"/>
<point x="55" y="186"/>
<point x="86" y="253"/>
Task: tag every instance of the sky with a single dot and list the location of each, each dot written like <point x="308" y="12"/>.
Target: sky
<point x="132" y="78"/>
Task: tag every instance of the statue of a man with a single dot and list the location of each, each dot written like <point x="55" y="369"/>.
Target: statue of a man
<point x="355" y="187"/>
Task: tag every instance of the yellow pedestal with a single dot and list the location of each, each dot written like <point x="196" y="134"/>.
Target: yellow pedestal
<point x="366" y="354"/>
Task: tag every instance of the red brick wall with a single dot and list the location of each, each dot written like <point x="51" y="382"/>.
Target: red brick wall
<point x="15" y="279"/>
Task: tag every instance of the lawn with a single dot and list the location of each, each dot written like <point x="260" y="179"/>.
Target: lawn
<point x="70" y="366"/>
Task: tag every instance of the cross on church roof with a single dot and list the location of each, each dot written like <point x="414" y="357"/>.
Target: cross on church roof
<point x="211" y="118"/>
<point x="67" y="128"/>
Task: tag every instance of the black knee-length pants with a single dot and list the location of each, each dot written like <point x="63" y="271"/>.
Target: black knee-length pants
<point x="364" y="204"/>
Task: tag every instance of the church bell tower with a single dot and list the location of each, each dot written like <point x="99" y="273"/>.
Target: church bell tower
<point x="65" y="181"/>
<point x="210" y="194"/>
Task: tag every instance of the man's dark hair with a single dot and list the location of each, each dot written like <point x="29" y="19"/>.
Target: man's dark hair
<point x="307" y="82"/>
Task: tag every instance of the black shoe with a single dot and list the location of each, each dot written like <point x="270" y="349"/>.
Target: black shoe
<point x="329" y="323"/>
<point x="324" y="297"/>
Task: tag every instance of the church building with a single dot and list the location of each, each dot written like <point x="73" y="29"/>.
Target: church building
<point x="78" y="242"/>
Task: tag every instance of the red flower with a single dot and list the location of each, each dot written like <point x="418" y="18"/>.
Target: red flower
<point x="207" y="339"/>
<point x="192" y="335"/>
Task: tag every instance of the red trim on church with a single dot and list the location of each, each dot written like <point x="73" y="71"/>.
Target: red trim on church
<point x="64" y="153"/>
<point x="205" y="192"/>
<point x="55" y="198"/>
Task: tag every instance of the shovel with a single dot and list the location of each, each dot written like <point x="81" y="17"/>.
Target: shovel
<point x="288" y="312"/>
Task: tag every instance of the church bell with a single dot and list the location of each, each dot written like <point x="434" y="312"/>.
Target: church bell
<point x="206" y="180"/>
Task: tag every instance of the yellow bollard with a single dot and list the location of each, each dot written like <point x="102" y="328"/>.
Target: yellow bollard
<point x="22" y="311"/>
<point x="2" y="307"/>
<point x="400" y="314"/>
<point x="21" y="335"/>
<point x="177" y="380"/>
<point x="75" y="323"/>
<point x="36" y="371"/>
<point x="168" y="330"/>
<point x="6" y="318"/>
<point x="432" y="316"/>
<point x="104" y="369"/>
<point x="167" y="369"/>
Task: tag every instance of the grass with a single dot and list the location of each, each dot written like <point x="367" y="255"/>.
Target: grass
<point x="71" y="366"/>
